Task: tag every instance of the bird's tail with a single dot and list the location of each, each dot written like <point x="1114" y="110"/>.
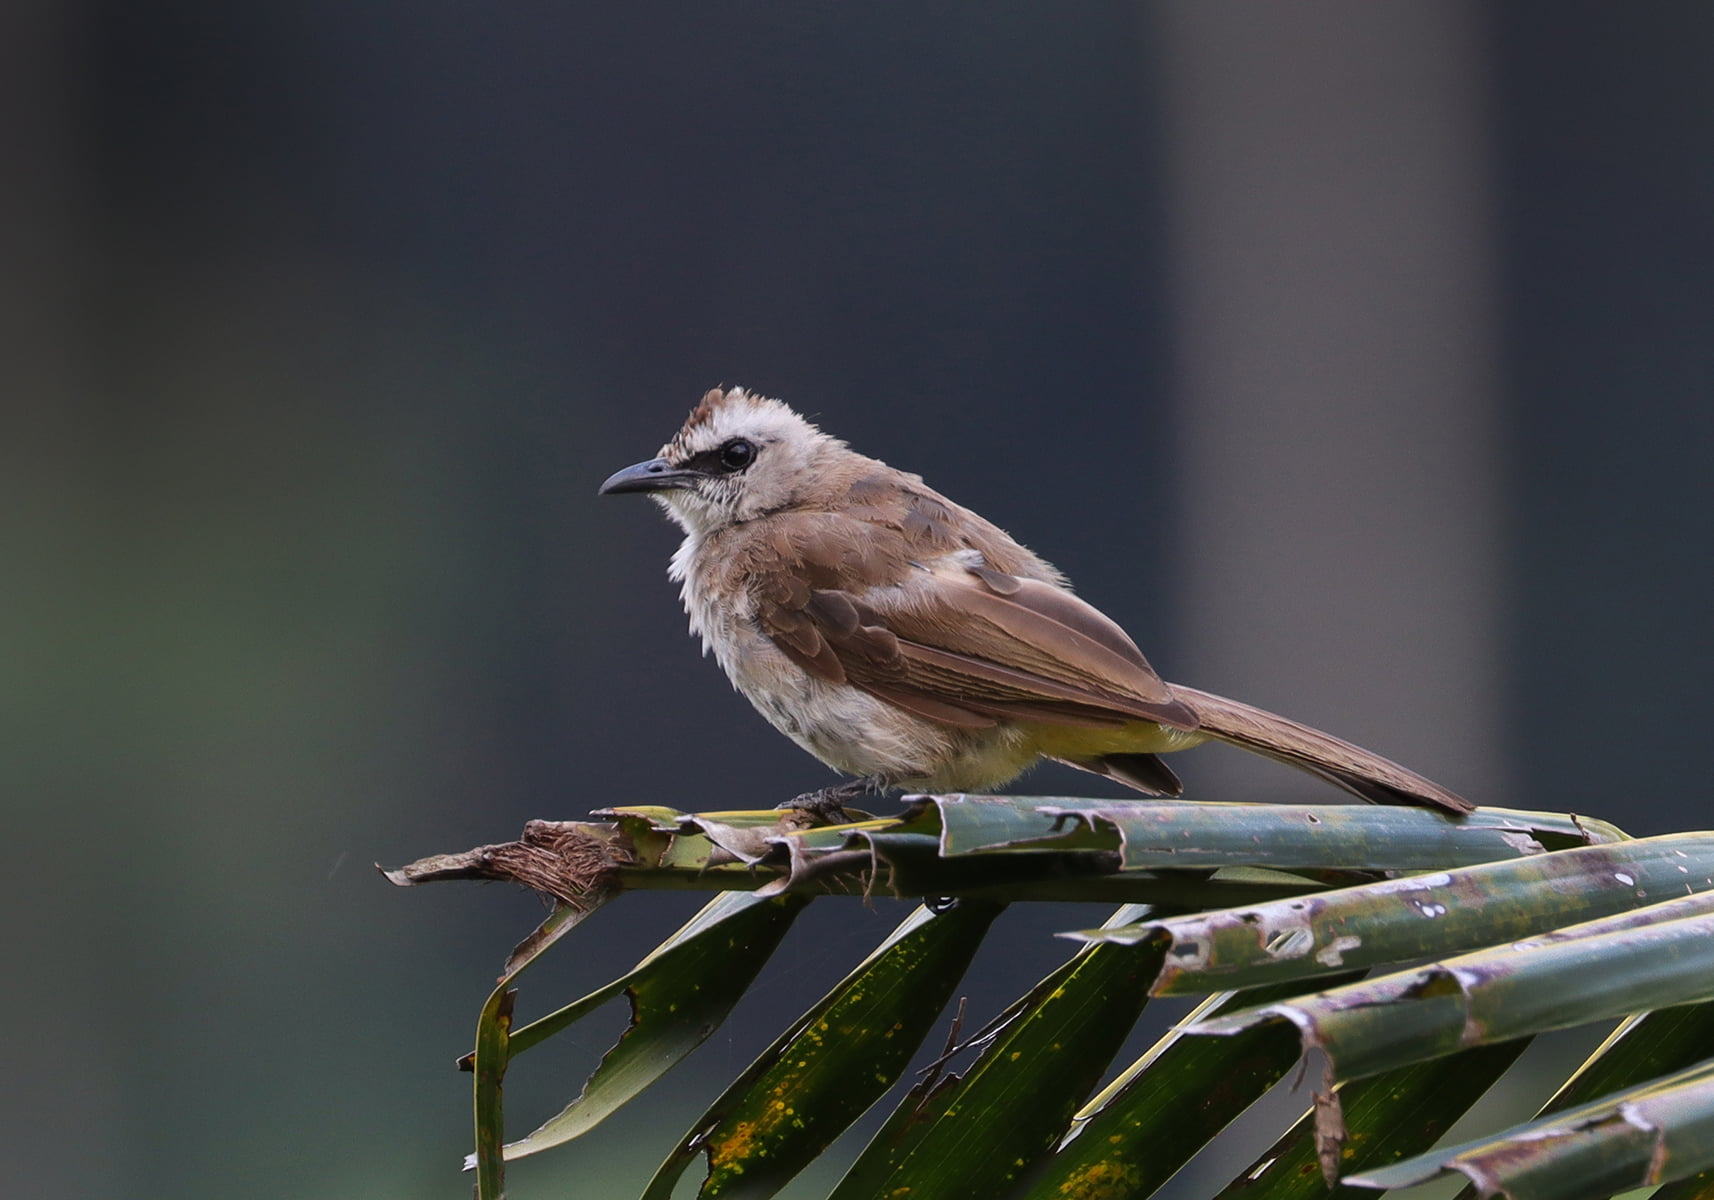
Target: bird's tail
<point x="1376" y="779"/>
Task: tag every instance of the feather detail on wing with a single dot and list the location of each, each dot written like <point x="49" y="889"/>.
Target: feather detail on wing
<point x="953" y="640"/>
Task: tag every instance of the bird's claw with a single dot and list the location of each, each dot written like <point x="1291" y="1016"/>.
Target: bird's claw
<point x="827" y="804"/>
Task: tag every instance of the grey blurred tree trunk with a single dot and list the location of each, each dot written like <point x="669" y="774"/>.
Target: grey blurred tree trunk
<point x="1329" y="240"/>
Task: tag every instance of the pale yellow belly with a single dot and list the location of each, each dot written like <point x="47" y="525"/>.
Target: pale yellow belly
<point x="1139" y="737"/>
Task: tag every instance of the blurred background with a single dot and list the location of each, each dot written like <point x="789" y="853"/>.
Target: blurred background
<point x="1357" y="358"/>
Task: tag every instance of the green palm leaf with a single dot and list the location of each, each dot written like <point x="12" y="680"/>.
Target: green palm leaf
<point x="1531" y="921"/>
<point x="833" y="1063"/>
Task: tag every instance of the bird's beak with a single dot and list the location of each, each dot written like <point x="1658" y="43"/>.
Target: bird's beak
<point x="656" y="475"/>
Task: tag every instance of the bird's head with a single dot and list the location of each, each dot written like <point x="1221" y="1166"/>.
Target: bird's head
<point x="738" y="456"/>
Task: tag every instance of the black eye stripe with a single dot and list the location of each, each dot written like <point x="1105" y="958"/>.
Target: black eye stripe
<point x="728" y="458"/>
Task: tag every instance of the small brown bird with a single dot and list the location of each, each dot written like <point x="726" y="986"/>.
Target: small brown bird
<point x="905" y="640"/>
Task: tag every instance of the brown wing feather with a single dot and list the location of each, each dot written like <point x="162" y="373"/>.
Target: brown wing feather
<point x="845" y="600"/>
<point x="1037" y="628"/>
<point x="934" y="710"/>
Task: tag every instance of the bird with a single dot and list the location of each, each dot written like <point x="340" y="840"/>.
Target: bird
<point x="907" y="641"/>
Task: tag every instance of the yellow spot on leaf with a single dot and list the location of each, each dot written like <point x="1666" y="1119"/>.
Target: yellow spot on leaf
<point x="1100" y="1181"/>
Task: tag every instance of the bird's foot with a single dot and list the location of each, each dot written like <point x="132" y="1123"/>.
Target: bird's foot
<point x="828" y="804"/>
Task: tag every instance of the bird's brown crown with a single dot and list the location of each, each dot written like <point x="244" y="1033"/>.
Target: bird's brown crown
<point x="735" y="412"/>
<point x="711" y="400"/>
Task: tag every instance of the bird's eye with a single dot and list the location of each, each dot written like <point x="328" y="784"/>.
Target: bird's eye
<point x="737" y="454"/>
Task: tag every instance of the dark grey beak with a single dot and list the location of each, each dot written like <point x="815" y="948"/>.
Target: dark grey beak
<point x="656" y="475"/>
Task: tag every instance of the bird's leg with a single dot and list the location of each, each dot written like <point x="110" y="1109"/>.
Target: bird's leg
<point x="828" y="803"/>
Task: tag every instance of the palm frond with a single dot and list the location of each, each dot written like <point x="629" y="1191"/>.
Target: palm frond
<point x="1530" y="922"/>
